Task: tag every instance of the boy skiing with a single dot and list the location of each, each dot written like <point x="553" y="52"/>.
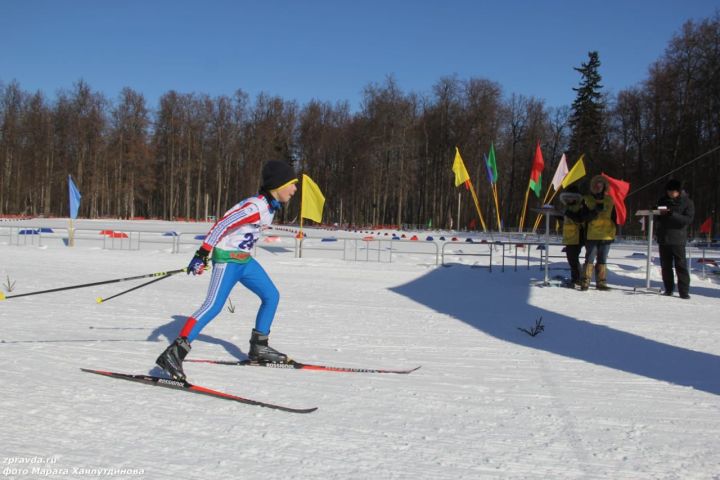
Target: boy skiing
<point x="231" y="240"/>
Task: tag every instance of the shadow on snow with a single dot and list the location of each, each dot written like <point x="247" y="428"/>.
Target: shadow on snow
<point x="171" y="329"/>
<point x="497" y="304"/>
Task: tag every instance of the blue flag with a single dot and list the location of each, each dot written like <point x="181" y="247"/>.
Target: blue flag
<point x="75" y="197"/>
<point x="489" y="169"/>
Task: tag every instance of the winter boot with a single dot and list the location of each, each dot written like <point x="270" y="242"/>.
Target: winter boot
<point x="575" y="275"/>
<point x="601" y="276"/>
<point x="587" y="276"/>
<point x="171" y="359"/>
<point x="261" y="352"/>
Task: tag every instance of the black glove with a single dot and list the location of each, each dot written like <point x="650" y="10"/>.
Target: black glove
<point x="199" y="262"/>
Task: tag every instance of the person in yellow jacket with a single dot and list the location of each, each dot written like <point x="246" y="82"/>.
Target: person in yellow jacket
<point x="600" y="233"/>
<point x="575" y="215"/>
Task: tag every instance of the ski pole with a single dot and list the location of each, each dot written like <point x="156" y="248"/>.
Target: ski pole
<point x="101" y="300"/>
<point x="117" y="280"/>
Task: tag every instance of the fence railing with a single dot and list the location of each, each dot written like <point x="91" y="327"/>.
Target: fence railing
<point x="356" y="249"/>
<point x="109" y="240"/>
<point x="512" y="253"/>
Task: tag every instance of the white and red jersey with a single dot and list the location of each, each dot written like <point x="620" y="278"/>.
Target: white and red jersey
<point x="235" y="234"/>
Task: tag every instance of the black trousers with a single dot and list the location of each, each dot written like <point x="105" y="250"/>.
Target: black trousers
<point x="674" y="254"/>
<point x="572" y="252"/>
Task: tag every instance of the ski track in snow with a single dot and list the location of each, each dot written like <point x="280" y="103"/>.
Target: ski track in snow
<point x="619" y="385"/>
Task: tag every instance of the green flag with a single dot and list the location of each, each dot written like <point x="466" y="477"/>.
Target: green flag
<point x="492" y="165"/>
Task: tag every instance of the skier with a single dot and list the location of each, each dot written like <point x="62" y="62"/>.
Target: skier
<point x="677" y="212"/>
<point x="231" y="240"/>
<point x="600" y="233"/>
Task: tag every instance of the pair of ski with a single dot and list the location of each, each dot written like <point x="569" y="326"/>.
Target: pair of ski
<point x="189" y="387"/>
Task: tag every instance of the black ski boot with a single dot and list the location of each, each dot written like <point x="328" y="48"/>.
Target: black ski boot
<point x="262" y="353"/>
<point x="171" y="359"/>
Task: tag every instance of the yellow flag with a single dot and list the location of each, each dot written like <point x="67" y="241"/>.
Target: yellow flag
<point x="575" y="173"/>
<point x="461" y="174"/>
<point x="311" y="205"/>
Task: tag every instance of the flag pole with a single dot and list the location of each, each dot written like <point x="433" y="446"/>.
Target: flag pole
<point x="497" y="206"/>
<point x="462" y="176"/>
<point x="522" y="216"/>
<point x="545" y="202"/>
<point x="300" y="233"/>
<point x="299" y="236"/>
<point x="71" y="234"/>
<point x="458" y="212"/>
<point x="477" y="205"/>
<point x="545" y="198"/>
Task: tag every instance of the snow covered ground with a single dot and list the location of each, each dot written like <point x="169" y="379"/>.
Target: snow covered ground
<point x="619" y="385"/>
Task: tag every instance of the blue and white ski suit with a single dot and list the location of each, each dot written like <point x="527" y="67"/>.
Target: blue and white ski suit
<point x="231" y="241"/>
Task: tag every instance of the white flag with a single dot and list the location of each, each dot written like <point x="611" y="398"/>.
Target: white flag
<point x="560" y="173"/>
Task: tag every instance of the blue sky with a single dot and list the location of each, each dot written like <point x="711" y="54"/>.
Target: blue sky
<point x="329" y="50"/>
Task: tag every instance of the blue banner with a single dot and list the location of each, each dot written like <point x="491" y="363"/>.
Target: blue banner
<point x="75" y="197"/>
<point x="491" y="177"/>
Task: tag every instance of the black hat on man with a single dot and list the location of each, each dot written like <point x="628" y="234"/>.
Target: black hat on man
<point x="275" y="174"/>
<point x="673" y="185"/>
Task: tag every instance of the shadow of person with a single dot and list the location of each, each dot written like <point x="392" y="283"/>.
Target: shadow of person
<point x="170" y="331"/>
<point x="498" y="304"/>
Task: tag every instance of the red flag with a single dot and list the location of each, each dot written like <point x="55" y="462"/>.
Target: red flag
<point x="536" y="171"/>
<point x="706" y="227"/>
<point x="618" y="191"/>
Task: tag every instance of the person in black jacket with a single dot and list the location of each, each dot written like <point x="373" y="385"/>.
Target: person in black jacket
<point x="676" y="213"/>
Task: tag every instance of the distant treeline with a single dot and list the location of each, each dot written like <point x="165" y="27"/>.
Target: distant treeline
<point x="194" y="155"/>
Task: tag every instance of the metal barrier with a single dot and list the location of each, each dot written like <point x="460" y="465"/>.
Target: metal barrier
<point x="368" y="244"/>
<point x="348" y="248"/>
<point x="543" y="255"/>
<point x="352" y="248"/>
<point x="26" y="235"/>
<point x="464" y="254"/>
<point x="702" y="259"/>
<point x="30" y="235"/>
<point x="507" y="249"/>
<point x="116" y="240"/>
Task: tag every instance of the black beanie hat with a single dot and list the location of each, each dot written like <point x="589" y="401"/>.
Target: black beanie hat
<point x="673" y="185"/>
<point x="275" y="174"/>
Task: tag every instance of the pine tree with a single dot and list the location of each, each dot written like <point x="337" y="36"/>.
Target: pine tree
<point x="586" y="120"/>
